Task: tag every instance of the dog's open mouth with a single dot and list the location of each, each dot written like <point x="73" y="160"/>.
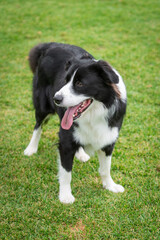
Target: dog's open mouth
<point x="72" y="113"/>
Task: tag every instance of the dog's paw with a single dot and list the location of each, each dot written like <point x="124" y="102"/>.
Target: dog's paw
<point x="66" y="199"/>
<point x="30" y="150"/>
<point x="81" y="155"/>
<point x="113" y="187"/>
<point x="116" y="188"/>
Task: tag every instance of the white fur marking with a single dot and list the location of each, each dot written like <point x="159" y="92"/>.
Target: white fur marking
<point x="69" y="97"/>
<point x="65" y="195"/>
<point x="93" y="131"/>
<point x="81" y="155"/>
<point x="33" y="145"/>
<point x="121" y="86"/>
<point x="104" y="170"/>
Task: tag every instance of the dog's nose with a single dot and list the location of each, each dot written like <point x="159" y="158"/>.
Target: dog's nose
<point x="58" y="98"/>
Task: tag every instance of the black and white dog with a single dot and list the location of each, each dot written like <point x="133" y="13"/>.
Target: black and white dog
<point x="90" y="99"/>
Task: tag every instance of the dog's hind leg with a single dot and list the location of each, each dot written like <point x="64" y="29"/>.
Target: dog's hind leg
<point x="81" y="155"/>
<point x="33" y="145"/>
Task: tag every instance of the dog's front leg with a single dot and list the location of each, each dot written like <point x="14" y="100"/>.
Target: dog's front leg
<point x="65" y="194"/>
<point x="65" y="169"/>
<point x="104" y="170"/>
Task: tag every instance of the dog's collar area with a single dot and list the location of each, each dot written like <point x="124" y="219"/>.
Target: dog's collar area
<point x="72" y="113"/>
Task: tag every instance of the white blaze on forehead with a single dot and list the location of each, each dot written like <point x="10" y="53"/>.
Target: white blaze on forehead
<point x="67" y="89"/>
<point x="70" y="98"/>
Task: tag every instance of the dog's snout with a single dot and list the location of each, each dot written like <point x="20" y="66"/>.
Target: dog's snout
<point x="58" y="98"/>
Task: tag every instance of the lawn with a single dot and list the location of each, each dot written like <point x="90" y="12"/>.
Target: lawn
<point x="125" y="33"/>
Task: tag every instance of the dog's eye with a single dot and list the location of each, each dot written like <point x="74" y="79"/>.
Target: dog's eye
<point x="79" y="84"/>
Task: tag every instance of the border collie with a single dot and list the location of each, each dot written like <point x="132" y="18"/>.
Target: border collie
<point x="90" y="99"/>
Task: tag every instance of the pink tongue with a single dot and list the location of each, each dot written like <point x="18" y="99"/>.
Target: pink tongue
<point x="67" y="119"/>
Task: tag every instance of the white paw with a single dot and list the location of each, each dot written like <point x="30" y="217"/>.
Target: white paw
<point x="113" y="187"/>
<point x="30" y="150"/>
<point x="66" y="199"/>
<point x="81" y="155"/>
<point x="116" y="188"/>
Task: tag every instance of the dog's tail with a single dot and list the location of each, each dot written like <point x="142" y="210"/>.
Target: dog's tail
<point x="35" y="54"/>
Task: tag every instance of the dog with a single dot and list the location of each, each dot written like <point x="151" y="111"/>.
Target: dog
<point x="90" y="98"/>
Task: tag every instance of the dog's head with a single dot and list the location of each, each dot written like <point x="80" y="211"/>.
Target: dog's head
<point x="84" y="84"/>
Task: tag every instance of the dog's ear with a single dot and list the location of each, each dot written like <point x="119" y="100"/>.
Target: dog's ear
<point x="106" y="72"/>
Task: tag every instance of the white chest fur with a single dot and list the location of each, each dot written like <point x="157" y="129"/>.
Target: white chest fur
<point x="93" y="131"/>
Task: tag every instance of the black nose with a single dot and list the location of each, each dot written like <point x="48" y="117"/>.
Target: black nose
<point x="58" y="98"/>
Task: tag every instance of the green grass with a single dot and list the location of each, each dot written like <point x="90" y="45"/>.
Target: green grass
<point x="125" y="33"/>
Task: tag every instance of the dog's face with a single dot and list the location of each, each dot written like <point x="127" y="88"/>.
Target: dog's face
<point x="94" y="81"/>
